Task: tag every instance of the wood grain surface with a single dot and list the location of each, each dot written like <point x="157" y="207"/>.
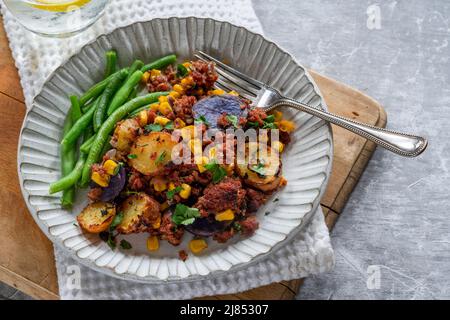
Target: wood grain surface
<point x="26" y="255"/>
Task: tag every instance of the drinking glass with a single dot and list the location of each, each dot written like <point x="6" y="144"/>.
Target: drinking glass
<point x="56" y="18"/>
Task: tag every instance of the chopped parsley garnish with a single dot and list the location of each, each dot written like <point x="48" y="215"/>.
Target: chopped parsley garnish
<point x="124" y="244"/>
<point x="156" y="127"/>
<point x="185" y="215"/>
<point x="253" y="124"/>
<point x="116" y="221"/>
<point x="233" y="120"/>
<point x="237" y="226"/>
<point x="270" y="118"/>
<point x="182" y="71"/>
<point x="218" y="173"/>
<point x="169" y="125"/>
<point x="201" y="119"/>
<point x="171" y="193"/>
<point x="161" y="158"/>
<point x="258" y="168"/>
<point x="153" y="127"/>
<point x="117" y="169"/>
<point x="269" y="125"/>
<point x="132" y="156"/>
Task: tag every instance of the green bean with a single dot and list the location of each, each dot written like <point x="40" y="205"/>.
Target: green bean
<point x="124" y="92"/>
<point x="98" y="88"/>
<point x="68" y="181"/>
<point x="160" y="63"/>
<point x="68" y="154"/>
<point x="77" y="129"/>
<point x="137" y="65"/>
<point x="108" y="127"/>
<point x="105" y="99"/>
<point x="87" y="106"/>
<point x="105" y="148"/>
<point x="75" y="109"/>
<point x="137" y="111"/>
<point x="133" y="94"/>
<point x="111" y="60"/>
<point x="86" y="146"/>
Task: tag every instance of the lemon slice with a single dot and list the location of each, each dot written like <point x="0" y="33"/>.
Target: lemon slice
<point x="59" y="5"/>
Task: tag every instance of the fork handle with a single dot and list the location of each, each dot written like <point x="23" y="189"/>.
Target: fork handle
<point x="403" y="144"/>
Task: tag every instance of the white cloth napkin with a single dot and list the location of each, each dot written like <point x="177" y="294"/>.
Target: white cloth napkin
<point x="36" y="57"/>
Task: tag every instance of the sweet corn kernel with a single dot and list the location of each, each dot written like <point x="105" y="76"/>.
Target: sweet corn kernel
<point x="152" y="243"/>
<point x="195" y="145"/>
<point x="157" y="223"/>
<point x="200" y="92"/>
<point x="163" y="206"/>
<point x="197" y="245"/>
<point x="165" y="108"/>
<point x="154" y="106"/>
<point x="174" y="94"/>
<point x="218" y="92"/>
<point x="162" y="98"/>
<point x="212" y="153"/>
<point x="143" y="118"/>
<point x="161" y="120"/>
<point x="178" y="89"/>
<point x="171" y="186"/>
<point x="145" y="77"/>
<point x="110" y="166"/>
<point x="186" y="192"/>
<point x="229" y="169"/>
<point x="187" y="65"/>
<point x="233" y="93"/>
<point x="160" y="186"/>
<point x="187" y="82"/>
<point x="178" y="123"/>
<point x="155" y="73"/>
<point x="226" y="215"/>
<point x="285" y="125"/>
<point x="278" y="146"/>
<point x="278" y="115"/>
<point x="187" y="133"/>
<point x="101" y="180"/>
<point x="201" y="164"/>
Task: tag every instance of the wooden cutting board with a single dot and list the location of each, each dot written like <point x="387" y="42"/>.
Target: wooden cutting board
<point x="26" y="255"/>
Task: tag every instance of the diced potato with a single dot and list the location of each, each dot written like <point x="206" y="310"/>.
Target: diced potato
<point x="125" y="134"/>
<point x="139" y="212"/>
<point x="96" y="217"/>
<point x="152" y="152"/>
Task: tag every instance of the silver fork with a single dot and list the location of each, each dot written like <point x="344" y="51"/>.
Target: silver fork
<point x="268" y="98"/>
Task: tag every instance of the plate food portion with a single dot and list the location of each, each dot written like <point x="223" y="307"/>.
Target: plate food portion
<point x="158" y="147"/>
<point x="141" y="168"/>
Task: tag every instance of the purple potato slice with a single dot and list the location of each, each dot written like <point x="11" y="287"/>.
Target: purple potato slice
<point x="205" y="227"/>
<point x="116" y="185"/>
<point x="214" y="106"/>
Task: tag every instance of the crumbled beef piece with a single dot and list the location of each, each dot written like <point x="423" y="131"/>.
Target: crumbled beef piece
<point x="204" y="74"/>
<point x="182" y="107"/>
<point x="227" y="194"/>
<point x="158" y="83"/>
<point x="224" y="236"/>
<point x="94" y="194"/>
<point x="257" y="115"/>
<point x="249" y="225"/>
<point x="255" y="199"/>
<point x="222" y="121"/>
<point x="182" y="255"/>
<point x="169" y="231"/>
<point x="136" y="181"/>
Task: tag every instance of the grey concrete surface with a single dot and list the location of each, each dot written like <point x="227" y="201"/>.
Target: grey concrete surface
<point x="397" y="218"/>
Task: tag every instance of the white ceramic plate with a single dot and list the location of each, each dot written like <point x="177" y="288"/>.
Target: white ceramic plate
<point x="306" y="162"/>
